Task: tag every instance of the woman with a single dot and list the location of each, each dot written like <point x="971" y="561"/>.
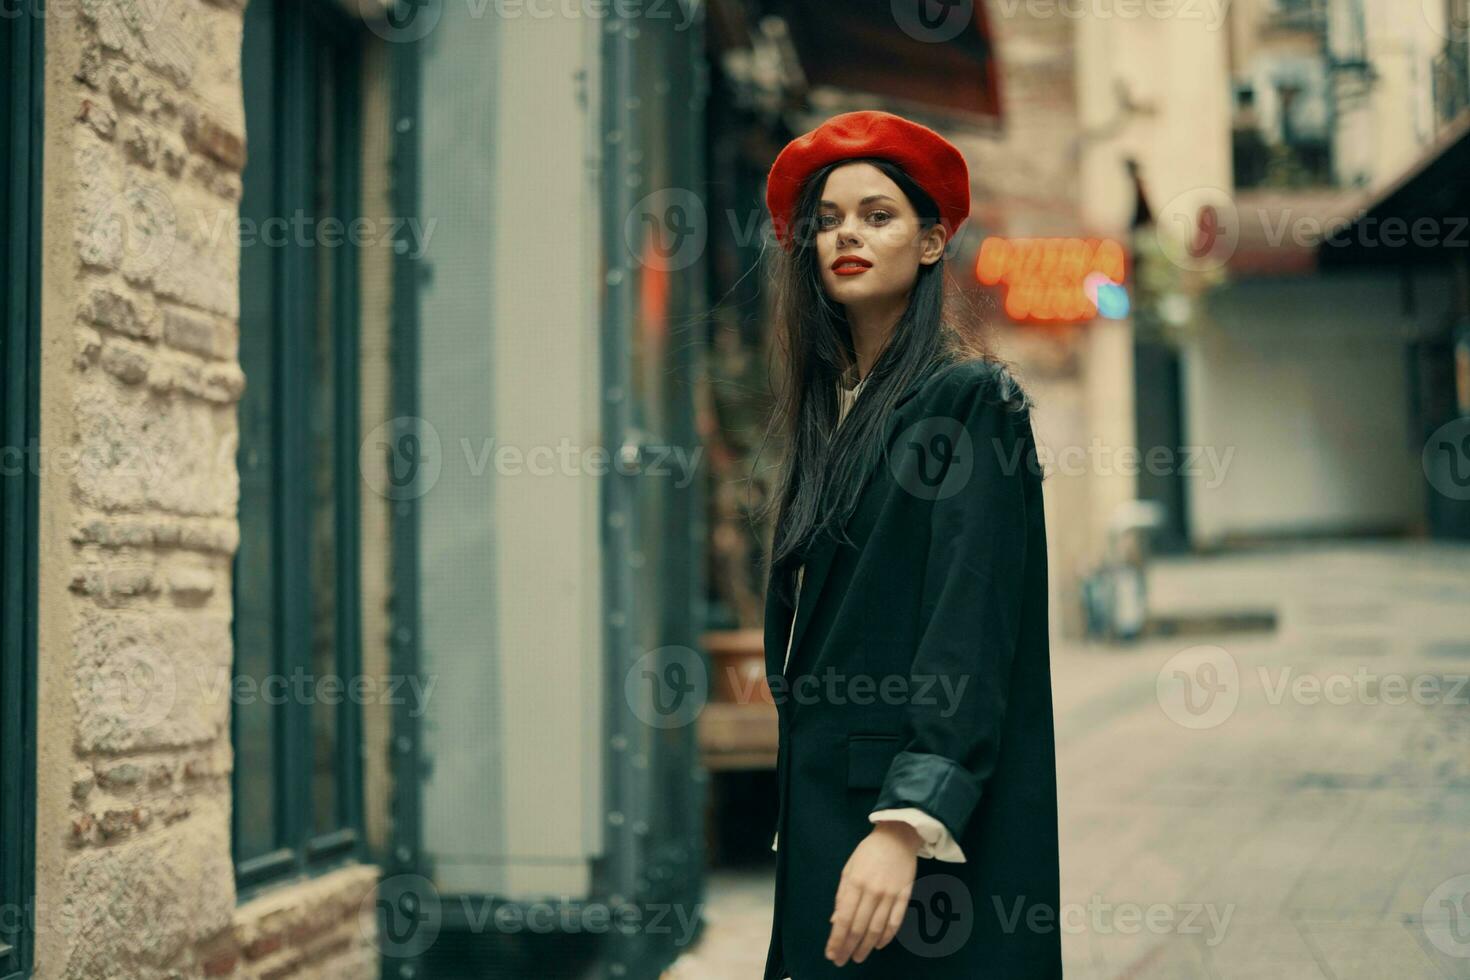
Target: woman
<point x="906" y="617"/>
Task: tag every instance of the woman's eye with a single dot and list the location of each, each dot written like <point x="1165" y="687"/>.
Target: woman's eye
<point x="827" y="221"/>
<point x="879" y="217"/>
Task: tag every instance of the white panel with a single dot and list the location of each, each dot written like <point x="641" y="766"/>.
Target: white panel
<point x="511" y="581"/>
<point x="1300" y="392"/>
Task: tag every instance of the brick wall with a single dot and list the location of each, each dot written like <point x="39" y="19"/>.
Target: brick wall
<point x="144" y="148"/>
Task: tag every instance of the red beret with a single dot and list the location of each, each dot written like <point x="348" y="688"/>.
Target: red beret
<point x="933" y="161"/>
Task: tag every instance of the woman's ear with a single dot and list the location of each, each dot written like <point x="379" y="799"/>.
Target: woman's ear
<point x="931" y="244"/>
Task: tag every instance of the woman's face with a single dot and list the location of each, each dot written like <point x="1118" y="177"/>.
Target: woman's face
<point x="869" y="242"/>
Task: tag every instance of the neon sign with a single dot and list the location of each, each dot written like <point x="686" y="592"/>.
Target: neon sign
<point x="1056" y="280"/>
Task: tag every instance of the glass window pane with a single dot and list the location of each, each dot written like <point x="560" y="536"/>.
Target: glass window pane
<point x="257" y="612"/>
<point x="322" y="397"/>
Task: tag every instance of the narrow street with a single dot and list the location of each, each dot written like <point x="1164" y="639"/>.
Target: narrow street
<point x="1252" y="804"/>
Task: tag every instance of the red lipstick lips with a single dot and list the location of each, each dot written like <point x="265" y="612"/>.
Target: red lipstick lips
<point x="850" y="265"/>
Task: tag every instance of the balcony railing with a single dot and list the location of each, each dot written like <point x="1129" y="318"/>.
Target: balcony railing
<point x="1299" y="15"/>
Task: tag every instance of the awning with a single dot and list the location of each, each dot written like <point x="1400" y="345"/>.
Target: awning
<point x="1278" y="233"/>
<point x="1422" y="217"/>
<point x="946" y="65"/>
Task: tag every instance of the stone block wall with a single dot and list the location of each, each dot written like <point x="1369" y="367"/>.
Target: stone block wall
<point x="144" y="147"/>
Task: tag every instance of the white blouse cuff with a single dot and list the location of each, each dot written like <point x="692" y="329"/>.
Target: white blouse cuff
<point x="938" y="842"/>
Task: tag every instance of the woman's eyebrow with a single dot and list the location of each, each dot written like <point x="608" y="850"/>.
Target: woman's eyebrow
<point x="867" y="200"/>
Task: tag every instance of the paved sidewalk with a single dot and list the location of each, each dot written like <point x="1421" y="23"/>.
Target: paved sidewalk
<point x="1268" y="805"/>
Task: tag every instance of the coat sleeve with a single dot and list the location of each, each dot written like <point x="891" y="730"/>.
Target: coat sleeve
<point x="969" y="613"/>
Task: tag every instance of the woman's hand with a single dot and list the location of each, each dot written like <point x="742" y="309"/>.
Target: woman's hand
<point x="873" y="893"/>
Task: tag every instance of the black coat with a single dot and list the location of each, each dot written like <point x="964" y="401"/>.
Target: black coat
<point x="919" y="676"/>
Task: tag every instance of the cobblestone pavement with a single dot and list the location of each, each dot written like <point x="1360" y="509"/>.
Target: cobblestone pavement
<point x="1280" y="804"/>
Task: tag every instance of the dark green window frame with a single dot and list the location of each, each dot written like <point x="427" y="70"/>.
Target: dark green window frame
<point x="20" y="263"/>
<point x="298" y="764"/>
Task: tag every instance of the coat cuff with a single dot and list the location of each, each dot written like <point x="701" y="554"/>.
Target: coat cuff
<point x="940" y="787"/>
<point x="938" y="842"/>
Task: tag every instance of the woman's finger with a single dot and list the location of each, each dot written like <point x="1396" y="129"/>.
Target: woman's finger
<point x="869" y="937"/>
<point x="842" y="915"/>
<point x="895" y="916"/>
<point x="867" y="900"/>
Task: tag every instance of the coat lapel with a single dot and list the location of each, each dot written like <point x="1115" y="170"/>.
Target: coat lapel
<point x="819" y="562"/>
<point x="777" y="625"/>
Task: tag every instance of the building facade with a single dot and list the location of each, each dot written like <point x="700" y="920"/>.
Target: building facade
<point x="350" y="475"/>
<point x="139" y="392"/>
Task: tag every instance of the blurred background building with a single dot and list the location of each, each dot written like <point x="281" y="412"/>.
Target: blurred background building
<point x="385" y="399"/>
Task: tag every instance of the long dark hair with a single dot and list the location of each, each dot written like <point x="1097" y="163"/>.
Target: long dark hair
<point x="823" y="474"/>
